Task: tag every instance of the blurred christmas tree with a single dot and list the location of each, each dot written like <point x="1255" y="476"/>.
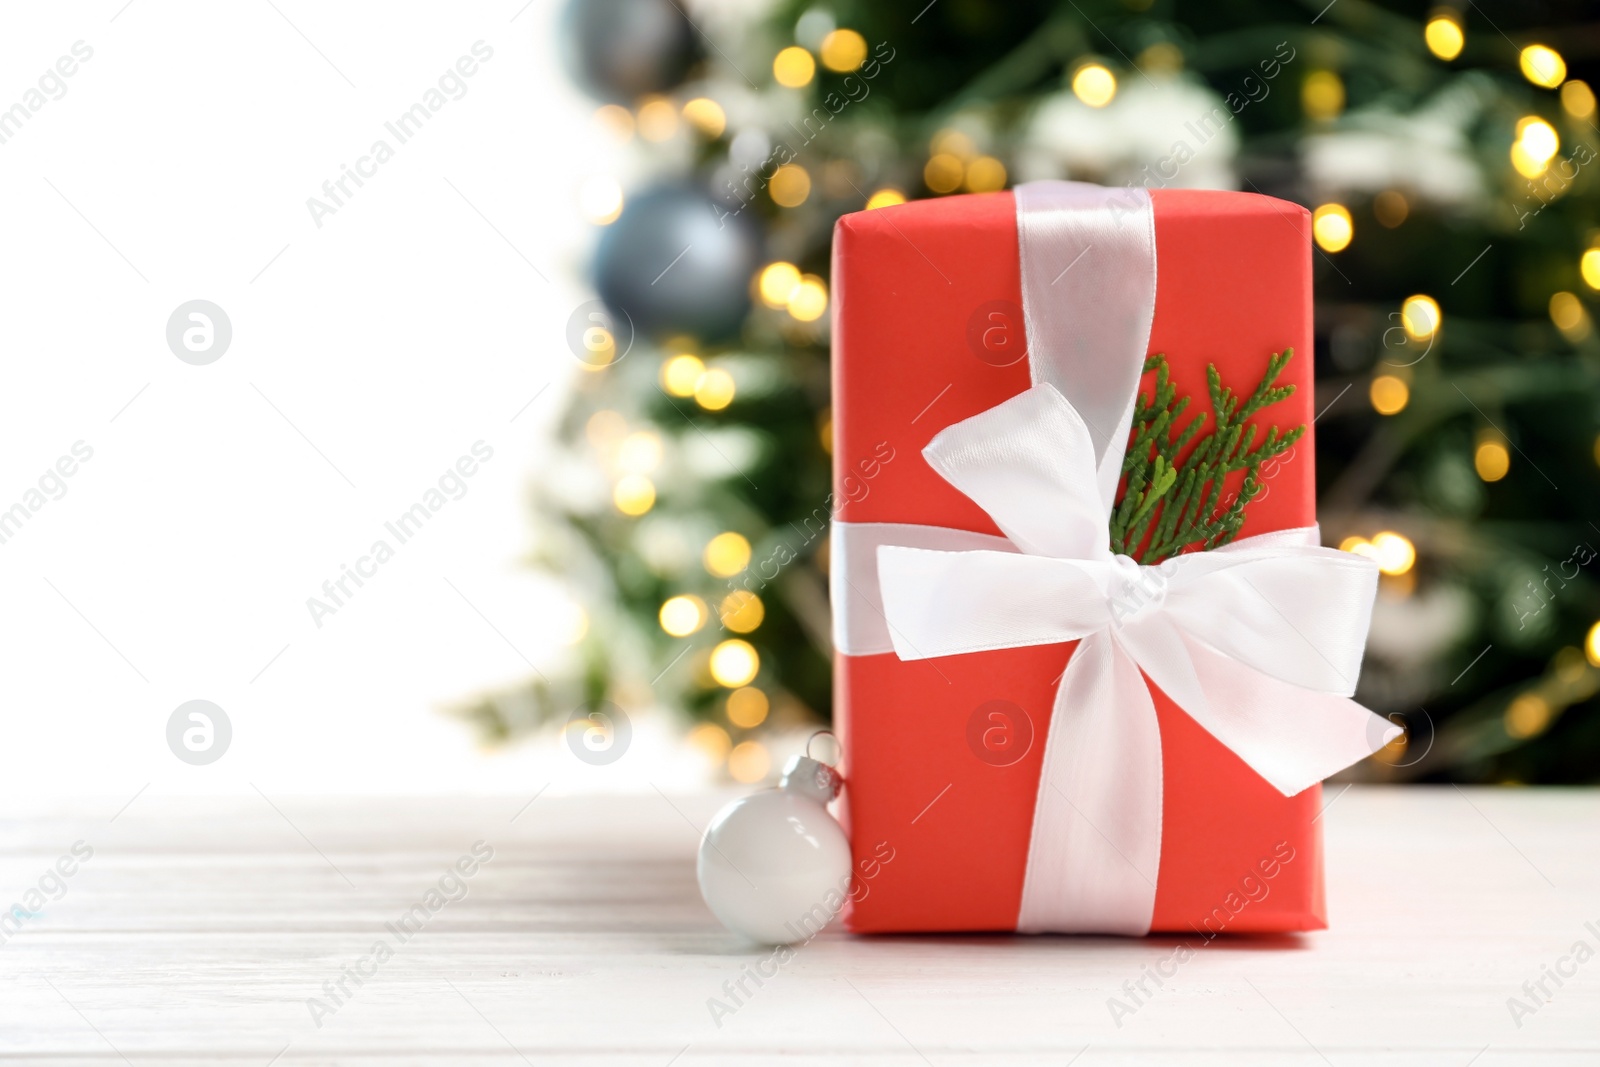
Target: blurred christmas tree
<point x="1449" y="154"/>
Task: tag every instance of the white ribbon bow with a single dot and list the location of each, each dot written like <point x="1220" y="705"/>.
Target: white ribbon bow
<point x="1259" y="641"/>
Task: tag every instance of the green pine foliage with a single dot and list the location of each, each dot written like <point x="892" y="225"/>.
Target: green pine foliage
<point x="1172" y="500"/>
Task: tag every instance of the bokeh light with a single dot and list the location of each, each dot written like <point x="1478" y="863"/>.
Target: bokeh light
<point x="943" y="172"/>
<point x="793" y="67"/>
<point x="885" y="198"/>
<point x="985" y="174"/>
<point x="1332" y="227"/>
<point x="809" y="299"/>
<point x="714" y="391"/>
<point x="741" y="611"/>
<point x="1491" y="459"/>
<point x="1394" y="552"/>
<point x="681" y="373"/>
<point x="1389" y="394"/>
<point x="1094" y="84"/>
<point x="683" y="615"/>
<point x="706" y="115"/>
<point x="1543" y="66"/>
<point x="777" y="283"/>
<point x="634" y="494"/>
<point x="843" y="51"/>
<point x="734" y="663"/>
<point x="1421" y="317"/>
<point x="749" y="762"/>
<point x="1443" y="36"/>
<point x="726" y="554"/>
<point x="748" y="707"/>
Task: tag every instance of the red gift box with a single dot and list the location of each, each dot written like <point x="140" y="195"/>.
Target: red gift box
<point x="942" y="757"/>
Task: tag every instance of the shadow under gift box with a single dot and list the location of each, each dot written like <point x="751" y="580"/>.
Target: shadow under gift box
<point x="928" y="331"/>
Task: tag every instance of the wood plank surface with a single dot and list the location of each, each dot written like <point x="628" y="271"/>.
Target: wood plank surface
<point x="202" y="931"/>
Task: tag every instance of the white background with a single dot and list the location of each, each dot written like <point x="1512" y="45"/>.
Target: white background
<point x="177" y="566"/>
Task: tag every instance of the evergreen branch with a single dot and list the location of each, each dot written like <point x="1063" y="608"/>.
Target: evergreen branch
<point x="1171" y="503"/>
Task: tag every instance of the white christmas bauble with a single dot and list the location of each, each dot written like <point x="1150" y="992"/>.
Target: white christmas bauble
<point x="775" y="866"/>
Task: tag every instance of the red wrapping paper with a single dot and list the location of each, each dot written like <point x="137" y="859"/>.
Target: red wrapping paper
<point x="927" y="332"/>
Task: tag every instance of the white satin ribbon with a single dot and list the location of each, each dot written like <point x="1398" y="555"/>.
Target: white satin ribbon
<point x="1259" y="641"/>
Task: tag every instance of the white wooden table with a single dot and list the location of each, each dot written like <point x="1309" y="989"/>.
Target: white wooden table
<point x="198" y="931"/>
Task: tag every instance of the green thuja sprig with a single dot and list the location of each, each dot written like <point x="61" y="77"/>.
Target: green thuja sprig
<point x="1169" y="503"/>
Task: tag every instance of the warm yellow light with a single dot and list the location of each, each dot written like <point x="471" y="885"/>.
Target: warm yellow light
<point x="734" y="663"/>
<point x="825" y="430"/>
<point x="1524" y="163"/>
<point x="574" y="625"/>
<point x="1332" y="227"/>
<point x="1578" y="99"/>
<point x="706" y="115"/>
<point x="1322" y="94"/>
<point x="747" y="707"/>
<point x="640" y="452"/>
<point x="617" y="119"/>
<point x="1391" y="208"/>
<point x="778" y="283"/>
<point x="1394" y="552"/>
<point x="1527" y="716"/>
<point x="714" y="391"/>
<point x="793" y="67"/>
<point x="600" y="200"/>
<point x="885" y="198"/>
<point x="1094" y="85"/>
<point x="1538" y="138"/>
<point x="1491" y="459"/>
<point x="741" y="611"/>
<point x="943" y="172"/>
<point x="1421" y="317"/>
<point x="1163" y="57"/>
<point x="605" y="428"/>
<point x="599" y="348"/>
<point x="634" y="494"/>
<point x="790" y="185"/>
<point x="809" y="299"/>
<point x="952" y="142"/>
<point x="683" y="615"/>
<point x="1566" y="311"/>
<point x="1357" y="544"/>
<point x="843" y="51"/>
<point x="681" y="373"/>
<point x="985" y="174"/>
<point x="1389" y="394"/>
<point x="727" y="554"/>
<point x="658" y="119"/>
<point x="1444" y="36"/>
<point x="749" y="762"/>
<point x="1589" y="266"/>
<point x="711" y="739"/>
<point x="1543" y="66"/>
<point x="1591" y="645"/>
